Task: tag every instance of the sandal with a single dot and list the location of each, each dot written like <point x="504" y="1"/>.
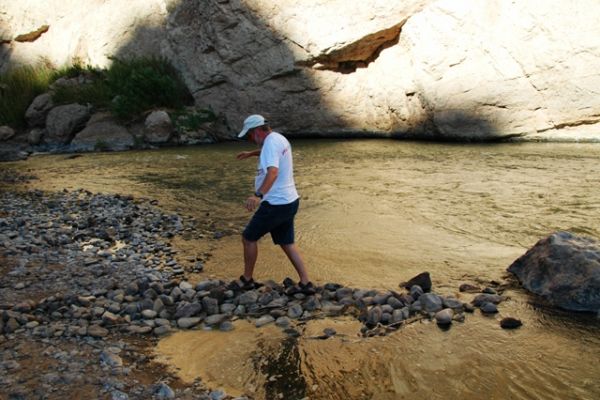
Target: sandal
<point x="243" y="284"/>
<point x="308" y="288"/>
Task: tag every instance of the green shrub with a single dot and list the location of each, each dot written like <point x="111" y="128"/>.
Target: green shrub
<point x="19" y="86"/>
<point x="192" y="121"/>
<point x="127" y="88"/>
<point x="145" y="83"/>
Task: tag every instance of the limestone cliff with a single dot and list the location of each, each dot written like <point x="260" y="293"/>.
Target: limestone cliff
<point x="427" y="68"/>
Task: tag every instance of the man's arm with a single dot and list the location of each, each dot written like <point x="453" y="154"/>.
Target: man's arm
<point x="246" y="154"/>
<point x="266" y="185"/>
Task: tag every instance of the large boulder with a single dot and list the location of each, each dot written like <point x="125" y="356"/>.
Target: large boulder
<point x="564" y="269"/>
<point x="102" y="133"/>
<point x="159" y="127"/>
<point x="63" y="121"/>
<point x="38" y="110"/>
<point x="6" y="132"/>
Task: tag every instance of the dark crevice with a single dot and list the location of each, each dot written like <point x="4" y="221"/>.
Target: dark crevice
<point x="358" y="54"/>
<point x="32" y="36"/>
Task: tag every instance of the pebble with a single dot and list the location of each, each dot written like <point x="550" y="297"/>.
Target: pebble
<point x="264" y="320"/>
<point x="162" y="330"/>
<point x="295" y="311"/>
<point x="186" y="323"/>
<point x="110" y="359"/>
<point x="226" y="326"/>
<point x="164" y="391"/>
<point x="444" y="317"/>
<point x="510" y="323"/>
<point x="283" y="322"/>
<point x="430" y="302"/>
<point x="488" y="308"/>
<point x="97" y="331"/>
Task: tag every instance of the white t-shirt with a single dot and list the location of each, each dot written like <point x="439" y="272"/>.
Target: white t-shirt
<point x="276" y="151"/>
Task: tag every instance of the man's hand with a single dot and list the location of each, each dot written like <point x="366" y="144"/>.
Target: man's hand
<point x="246" y="154"/>
<point x="252" y="202"/>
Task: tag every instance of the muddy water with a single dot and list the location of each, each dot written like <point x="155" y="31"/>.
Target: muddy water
<point x="374" y="213"/>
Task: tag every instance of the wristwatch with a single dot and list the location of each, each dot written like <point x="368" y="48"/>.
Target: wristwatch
<point x="258" y="194"/>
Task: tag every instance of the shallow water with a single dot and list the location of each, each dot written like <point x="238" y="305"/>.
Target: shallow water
<point x="374" y="213"/>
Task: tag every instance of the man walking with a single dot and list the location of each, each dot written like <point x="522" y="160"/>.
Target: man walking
<point x="277" y="200"/>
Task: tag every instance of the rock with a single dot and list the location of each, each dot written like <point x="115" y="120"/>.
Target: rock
<point x="395" y="303"/>
<point x="249" y="297"/>
<point x="186" y="323"/>
<point x="63" y="121"/>
<point x="163" y="392"/>
<point x="210" y="305"/>
<point x="38" y="110"/>
<point x="374" y="316"/>
<point x="227" y="308"/>
<point x="430" y="302"/>
<point x="226" y="326"/>
<point x="468" y="288"/>
<point x="149" y="314"/>
<point x="489" y="290"/>
<point x="158" y="127"/>
<point x="283" y="322"/>
<point x="396" y="69"/>
<point x="264" y="320"/>
<point x="118" y="395"/>
<point x="418" y="38"/>
<point x="162" y="330"/>
<point x="11" y="325"/>
<point x="295" y="311"/>
<point x="110" y="359"/>
<point x="486" y="298"/>
<point x="444" y="317"/>
<point x="564" y="269"/>
<point x="215" y="319"/>
<point x="12" y="153"/>
<point x="102" y="133"/>
<point x="423" y="280"/>
<point x="6" y="132"/>
<point x="416" y="291"/>
<point x="97" y="331"/>
<point x="450" y="302"/>
<point x="397" y="316"/>
<point x="188" y="310"/>
<point x="217" y="395"/>
<point x="343" y="292"/>
<point x="510" y="323"/>
<point x="488" y="308"/>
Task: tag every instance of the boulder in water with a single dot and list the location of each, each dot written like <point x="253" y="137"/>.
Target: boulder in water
<point x="564" y="269"/>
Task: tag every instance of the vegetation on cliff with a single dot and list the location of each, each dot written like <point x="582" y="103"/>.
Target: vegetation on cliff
<point x="127" y="88"/>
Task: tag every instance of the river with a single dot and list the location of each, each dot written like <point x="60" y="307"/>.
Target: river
<point x="374" y="213"/>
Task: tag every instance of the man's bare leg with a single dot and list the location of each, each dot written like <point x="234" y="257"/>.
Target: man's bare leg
<point x="292" y="252"/>
<point x="250" y="257"/>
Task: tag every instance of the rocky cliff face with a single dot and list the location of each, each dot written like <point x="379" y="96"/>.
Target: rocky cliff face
<point x="424" y="68"/>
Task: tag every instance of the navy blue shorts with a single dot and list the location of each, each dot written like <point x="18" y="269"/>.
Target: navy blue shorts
<point x="275" y="219"/>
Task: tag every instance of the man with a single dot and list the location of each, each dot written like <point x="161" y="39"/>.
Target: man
<point x="277" y="200"/>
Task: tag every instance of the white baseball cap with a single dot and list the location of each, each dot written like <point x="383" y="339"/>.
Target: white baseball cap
<point x="251" y="122"/>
